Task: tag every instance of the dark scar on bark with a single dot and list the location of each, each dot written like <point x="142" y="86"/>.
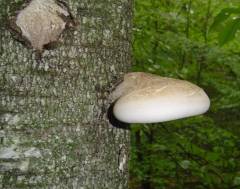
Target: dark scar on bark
<point x="114" y="121"/>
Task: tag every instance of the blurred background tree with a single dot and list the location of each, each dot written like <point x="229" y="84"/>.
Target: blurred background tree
<point x="197" y="41"/>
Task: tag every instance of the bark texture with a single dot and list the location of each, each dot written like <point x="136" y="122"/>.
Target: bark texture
<point x="53" y="127"/>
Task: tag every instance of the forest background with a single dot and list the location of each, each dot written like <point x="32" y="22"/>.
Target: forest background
<point x="186" y="39"/>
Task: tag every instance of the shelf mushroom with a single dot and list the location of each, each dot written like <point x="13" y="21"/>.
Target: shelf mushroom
<point x="148" y="98"/>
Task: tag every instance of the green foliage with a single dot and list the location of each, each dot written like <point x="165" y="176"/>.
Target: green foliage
<point x="227" y="23"/>
<point x="223" y="16"/>
<point x="229" y="31"/>
<point x="172" y="38"/>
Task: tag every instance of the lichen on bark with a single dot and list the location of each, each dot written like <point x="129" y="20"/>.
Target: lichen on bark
<point x="53" y="127"/>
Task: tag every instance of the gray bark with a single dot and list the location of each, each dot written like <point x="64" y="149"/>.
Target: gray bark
<point x="53" y="127"/>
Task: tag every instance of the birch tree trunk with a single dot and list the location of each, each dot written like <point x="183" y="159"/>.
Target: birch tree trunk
<point x="53" y="127"/>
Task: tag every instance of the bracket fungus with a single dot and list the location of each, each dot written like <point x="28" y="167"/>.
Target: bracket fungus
<point x="40" y="23"/>
<point x="148" y="98"/>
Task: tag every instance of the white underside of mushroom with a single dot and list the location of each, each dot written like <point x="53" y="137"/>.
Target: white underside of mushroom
<point x="151" y="99"/>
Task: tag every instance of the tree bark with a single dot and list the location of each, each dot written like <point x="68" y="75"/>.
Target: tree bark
<point x="54" y="132"/>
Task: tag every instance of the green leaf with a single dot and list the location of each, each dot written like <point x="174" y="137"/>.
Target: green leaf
<point x="236" y="181"/>
<point x="229" y="31"/>
<point x="185" y="164"/>
<point x="223" y="16"/>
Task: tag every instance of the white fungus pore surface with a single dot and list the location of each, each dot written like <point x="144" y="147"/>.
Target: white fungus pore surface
<point x="150" y="99"/>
